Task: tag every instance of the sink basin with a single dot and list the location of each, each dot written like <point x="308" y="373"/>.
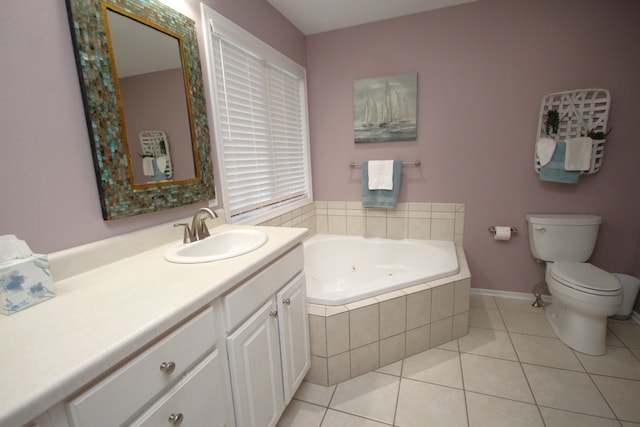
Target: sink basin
<point x="227" y="244"/>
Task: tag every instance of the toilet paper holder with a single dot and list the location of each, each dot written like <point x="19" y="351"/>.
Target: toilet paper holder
<point x="492" y="230"/>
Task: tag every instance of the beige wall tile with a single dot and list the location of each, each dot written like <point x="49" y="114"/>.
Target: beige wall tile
<point x="376" y="226"/>
<point x="355" y="225"/>
<point x="417" y="340"/>
<point x="318" y="335"/>
<point x="337" y="334"/>
<point x="364" y="326"/>
<point x="318" y="373"/>
<point x="365" y="359"/>
<point x="442" y="301"/>
<point x="339" y="368"/>
<point x="441" y="332"/>
<point x="392" y="349"/>
<point x="337" y="224"/>
<point x="418" y="309"/>
<point x="442" y="229"/>
<point x="460" y="325"/>
<point x="397" y="228"/>
<point x="461" y="296"/>
<point x="419" y="228"/>
<point x="393" y="315"/>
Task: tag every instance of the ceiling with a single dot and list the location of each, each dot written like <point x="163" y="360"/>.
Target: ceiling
<point x="317" y="16"/>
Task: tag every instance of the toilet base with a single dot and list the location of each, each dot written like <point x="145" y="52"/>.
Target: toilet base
<point x="586" y="334"/>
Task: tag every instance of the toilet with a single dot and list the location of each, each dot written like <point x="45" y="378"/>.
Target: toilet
<point x="582" y="295"/>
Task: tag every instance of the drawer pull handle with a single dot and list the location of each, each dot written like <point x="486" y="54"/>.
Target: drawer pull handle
<point x="273" y="314"/>
<point x="286" y="301"/>
<point x="176" y="419"/>
<point x="167" y="367"/>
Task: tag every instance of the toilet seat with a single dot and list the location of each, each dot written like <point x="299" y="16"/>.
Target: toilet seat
<point x="585" y="277"/>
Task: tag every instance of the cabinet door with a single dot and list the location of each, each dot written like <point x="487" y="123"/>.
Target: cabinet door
<point x="196" y="401"/>
<point x="294" y="334"/>
<point x="256" y="374"/>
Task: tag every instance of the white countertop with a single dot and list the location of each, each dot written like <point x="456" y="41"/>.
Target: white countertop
<point x="101" y="316"/>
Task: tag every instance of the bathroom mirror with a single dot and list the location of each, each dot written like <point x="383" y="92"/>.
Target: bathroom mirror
<point x="151" y="150"/>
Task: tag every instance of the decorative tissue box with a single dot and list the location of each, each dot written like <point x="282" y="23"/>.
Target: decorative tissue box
<point x="25" y="282"/>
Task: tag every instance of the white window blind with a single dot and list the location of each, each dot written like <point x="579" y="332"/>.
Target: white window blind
<point x="260" y="130"/>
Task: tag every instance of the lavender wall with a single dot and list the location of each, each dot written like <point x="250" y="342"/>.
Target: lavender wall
<point x="483" y="69"/>
<point x="48" y="192"/>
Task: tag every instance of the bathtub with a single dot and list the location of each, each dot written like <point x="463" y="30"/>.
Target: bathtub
<point x="344" y="269"/>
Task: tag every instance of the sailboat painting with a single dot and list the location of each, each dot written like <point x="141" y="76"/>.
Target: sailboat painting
<point x="384" y="108"/>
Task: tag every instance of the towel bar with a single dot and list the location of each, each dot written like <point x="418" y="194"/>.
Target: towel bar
<point x="412" y="163"/>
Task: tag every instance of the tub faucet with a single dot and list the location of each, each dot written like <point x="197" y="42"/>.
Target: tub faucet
<point x="198" y="229"/>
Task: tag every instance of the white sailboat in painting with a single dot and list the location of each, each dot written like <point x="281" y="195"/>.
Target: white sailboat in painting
<point x="387" y="116"/>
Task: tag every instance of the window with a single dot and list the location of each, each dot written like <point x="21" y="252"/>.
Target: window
<point x="259" y="96"/>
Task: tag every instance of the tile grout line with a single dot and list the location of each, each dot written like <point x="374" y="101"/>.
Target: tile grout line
<point x="524" y="374"/>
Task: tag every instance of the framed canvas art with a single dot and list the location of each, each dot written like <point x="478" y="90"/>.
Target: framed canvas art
<point x="384" y="108"/>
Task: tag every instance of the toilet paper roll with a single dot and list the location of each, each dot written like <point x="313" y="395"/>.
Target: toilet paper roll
<point x="502" y="233"/>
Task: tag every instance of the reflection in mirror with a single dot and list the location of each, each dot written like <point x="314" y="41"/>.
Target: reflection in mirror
<point x="151" y="149"/>
<point x="149" y="73"/>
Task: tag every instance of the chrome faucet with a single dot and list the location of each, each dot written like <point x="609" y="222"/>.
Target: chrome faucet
<point x="198" y="229"/>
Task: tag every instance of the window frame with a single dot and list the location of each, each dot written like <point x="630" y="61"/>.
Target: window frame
<point x="216" y="24"/>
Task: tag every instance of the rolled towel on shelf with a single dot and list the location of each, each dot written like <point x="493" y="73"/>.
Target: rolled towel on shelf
<point x="578" y="154"/>
<point x="554" y="171"/>
<point x="147" y="166"/>
<point x="545" y="148"/>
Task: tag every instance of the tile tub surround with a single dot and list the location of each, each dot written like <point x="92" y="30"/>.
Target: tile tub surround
<point x="431" y="221"/>
<point x="353" y="339"/>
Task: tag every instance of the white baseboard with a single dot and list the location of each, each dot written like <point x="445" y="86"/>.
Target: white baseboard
<point x="508" y="294"/>
<point x="635" y="316"/>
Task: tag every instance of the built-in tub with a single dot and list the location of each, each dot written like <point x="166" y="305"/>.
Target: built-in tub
<point x="344" y="269"/>
<point x="372" y="302"/>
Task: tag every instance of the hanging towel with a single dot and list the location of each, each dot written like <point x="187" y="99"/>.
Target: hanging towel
<point x="147" y="166"/>
<point x="544" y="150"/>
<point x="380" y="174"/>
<point x="578" y="155"/>
<point x="381" y="198"/>
<point x="554" y="170"/>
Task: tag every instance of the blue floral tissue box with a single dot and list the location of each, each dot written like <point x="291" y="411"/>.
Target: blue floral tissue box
<point x="25" y="282"/>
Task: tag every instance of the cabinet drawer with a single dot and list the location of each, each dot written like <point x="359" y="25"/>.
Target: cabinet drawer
<point x="196" y="401"/>
<point x="240" y="303"/>
<point x="119" y="396"/>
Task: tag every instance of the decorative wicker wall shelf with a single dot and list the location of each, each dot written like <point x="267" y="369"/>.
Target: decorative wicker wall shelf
<point x="579" y="110"/>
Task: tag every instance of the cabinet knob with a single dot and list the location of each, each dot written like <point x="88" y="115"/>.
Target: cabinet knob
<point x="176" y="419"/>
<point x="273" y="313"/>
<point x="286" y="301"/>
<point x="167" y="367"/>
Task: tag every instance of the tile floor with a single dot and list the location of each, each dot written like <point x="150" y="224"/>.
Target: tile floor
<point x="510" y="370"/>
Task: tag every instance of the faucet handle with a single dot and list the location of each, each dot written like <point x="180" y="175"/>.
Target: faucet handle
<point x="204" y="231"/>
<point x="186" y="238"/>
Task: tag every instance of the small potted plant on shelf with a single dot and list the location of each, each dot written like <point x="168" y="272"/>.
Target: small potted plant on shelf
<point x="552" y="123"/>
<point x="599" y="135"/>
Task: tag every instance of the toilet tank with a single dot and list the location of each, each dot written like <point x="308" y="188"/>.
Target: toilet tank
<point x="567" y="238"/>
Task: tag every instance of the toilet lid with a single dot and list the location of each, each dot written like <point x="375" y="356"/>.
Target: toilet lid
<point x="586" y="278"/>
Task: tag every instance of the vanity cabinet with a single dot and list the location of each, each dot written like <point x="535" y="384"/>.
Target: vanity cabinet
<point x="269" y="351"/>
<point x="178" y="379"/>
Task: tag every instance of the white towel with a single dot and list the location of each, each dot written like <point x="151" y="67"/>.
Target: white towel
<point x="380" y="175"/>
<point x="578" y="154"/>
<point x="545" y="147"/>
<point x="147" y="166"/>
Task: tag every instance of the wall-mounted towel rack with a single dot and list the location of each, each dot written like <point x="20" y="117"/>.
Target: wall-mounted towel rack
<point x="411" y="163"/>
<point x="580" y="111"/>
